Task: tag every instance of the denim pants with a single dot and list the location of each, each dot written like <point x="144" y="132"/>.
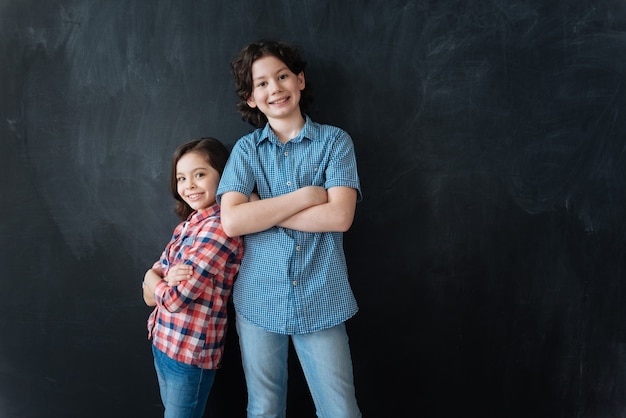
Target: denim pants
<point x="184" y="388"/>
<point x="325" y="359"/>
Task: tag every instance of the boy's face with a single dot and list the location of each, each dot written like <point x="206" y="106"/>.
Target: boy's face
<point x="275" y="89"/>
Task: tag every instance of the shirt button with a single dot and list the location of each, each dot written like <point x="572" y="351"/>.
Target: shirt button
<point x="295" y="282"/>
<point x="286" y="153"/>
<point x="288" y="183"/>
<point x="297" y="248"/>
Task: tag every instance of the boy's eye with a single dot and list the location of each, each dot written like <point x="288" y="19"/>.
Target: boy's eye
<point x="262" y="84"/>
<point x="179" y="179"/>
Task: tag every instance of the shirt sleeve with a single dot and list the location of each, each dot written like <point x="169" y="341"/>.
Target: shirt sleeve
<point x="238" y="175"/>
<point x="342" y="167"/>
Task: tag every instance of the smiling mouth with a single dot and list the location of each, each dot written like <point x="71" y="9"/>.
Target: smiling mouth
<point x="280" y="101"/>
<point x="194" y="196"/>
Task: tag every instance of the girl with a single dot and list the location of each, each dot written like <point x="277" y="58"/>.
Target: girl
<point x="191" y="283"/>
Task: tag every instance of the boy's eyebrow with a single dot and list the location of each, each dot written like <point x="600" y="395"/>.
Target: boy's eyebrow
<point x="276" y="72"/>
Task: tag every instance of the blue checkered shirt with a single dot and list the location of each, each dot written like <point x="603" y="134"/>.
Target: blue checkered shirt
<point x="292" y="282"/>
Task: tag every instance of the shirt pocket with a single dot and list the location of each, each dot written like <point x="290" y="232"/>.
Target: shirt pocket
<point x="309" y="174"/>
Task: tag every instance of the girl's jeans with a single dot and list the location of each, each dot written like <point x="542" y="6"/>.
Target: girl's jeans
<point x="184" y="388"/>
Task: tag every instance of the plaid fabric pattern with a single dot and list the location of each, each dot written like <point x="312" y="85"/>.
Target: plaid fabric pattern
<point x="189" y="321"/>
<point x="292" y="282"/>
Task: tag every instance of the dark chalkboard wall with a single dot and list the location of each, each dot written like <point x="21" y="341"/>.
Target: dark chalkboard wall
<point x="487" y="255"/>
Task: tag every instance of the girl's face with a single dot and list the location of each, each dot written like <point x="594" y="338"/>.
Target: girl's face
<point x="275" y="89"/>
<point x="196" y="180"/>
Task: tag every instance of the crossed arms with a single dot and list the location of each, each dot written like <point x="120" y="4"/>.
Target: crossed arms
<point x="308" y="209"/>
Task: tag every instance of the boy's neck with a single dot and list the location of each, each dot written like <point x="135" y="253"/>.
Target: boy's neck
<point x="286" y="129"/>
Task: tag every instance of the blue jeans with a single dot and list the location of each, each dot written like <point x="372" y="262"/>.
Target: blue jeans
<point x="325" y="360"/>
<point x="184" y="388"/>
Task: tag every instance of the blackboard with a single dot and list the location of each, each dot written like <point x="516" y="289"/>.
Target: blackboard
<point x="487" y="255"/>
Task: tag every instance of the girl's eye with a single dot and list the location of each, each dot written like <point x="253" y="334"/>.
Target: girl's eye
<point x="180" y="179"/>
<point x="283" y="76"/>
<point x="200" y="175"/>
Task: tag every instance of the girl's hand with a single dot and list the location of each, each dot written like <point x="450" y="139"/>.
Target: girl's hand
<point x="177" y="274"/>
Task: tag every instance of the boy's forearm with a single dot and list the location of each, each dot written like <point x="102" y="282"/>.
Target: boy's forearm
<point x="336" y="215"/>
<point x="241" y="217"/>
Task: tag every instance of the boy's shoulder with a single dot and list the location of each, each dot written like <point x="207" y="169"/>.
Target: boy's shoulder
<point x="250" y="137"/>
<point x="317" y="130"/>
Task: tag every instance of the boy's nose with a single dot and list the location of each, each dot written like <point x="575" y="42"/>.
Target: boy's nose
<point x="274" y="86"/>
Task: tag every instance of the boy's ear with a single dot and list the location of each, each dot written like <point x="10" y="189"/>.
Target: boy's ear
<point x="251" y="102"/>
<point x="301" y="81"/>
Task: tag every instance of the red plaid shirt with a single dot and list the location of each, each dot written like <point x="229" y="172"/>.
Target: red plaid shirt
<point x="189" y="320"/>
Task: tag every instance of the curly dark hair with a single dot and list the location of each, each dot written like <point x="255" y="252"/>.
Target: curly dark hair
<point x="242" y="72"/>
<point x="215" y="153"/>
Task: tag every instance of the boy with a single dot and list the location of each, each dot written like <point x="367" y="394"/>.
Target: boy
<point x="293" y="280"/>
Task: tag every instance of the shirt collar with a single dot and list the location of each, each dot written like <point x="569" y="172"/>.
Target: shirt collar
<point x="197" y="216"/>
<point x="309" y="131"/>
